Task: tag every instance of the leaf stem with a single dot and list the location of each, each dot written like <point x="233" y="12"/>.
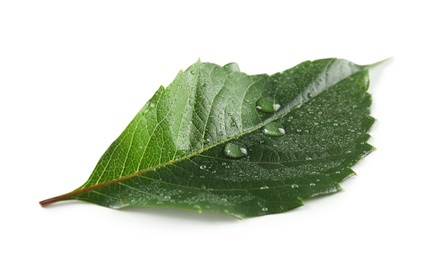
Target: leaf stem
<point x="46" y="202"/>
<point x="69" y="195"/>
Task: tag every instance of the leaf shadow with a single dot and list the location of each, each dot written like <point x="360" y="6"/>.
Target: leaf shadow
<point x="176" y="214"/>
<point x="181" y="214"/>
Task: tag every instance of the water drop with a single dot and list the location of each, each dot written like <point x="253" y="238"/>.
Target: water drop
<point x="264" y="187"/>
<point x="233" y="67"/>
<point x="294" y="186"/>
<point x="312" y="184"/>
<point x="267" y="104"/>
<point x="274" y="129"/>
<point x="202" y="167"/>
<point x="264" y="209"/>
<point x="308" y="158"/>
<point x="206" y="141"/>
<point x="235" y="150"/>
<point x="198" y="208"/>
<point x="335" y="124"/>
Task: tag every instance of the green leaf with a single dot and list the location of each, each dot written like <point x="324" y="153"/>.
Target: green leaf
<point x="246" y="145"/>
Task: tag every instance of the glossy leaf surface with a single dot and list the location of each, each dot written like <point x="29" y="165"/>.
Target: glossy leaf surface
<point x="246" y="145"/>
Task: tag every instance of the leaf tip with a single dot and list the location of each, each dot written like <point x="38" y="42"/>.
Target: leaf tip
<point x="376" y="64"/>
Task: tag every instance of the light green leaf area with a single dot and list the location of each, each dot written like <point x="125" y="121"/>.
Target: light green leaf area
<point x="246" y="145"/>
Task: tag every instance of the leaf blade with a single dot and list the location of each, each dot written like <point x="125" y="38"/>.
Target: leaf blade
<point x="189" y="170"/>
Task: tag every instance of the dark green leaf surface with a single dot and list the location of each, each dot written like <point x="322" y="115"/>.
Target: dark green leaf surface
<point x="301" y="129"/>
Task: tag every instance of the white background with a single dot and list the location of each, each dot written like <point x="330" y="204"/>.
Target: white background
<point x="74" y="73"/>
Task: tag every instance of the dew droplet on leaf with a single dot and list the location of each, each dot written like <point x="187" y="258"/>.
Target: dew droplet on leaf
<point x="267" y="104"/>
<point x="232" y="67"/>
<point x="235" y="150"/>
<point x="274" y="129"/>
